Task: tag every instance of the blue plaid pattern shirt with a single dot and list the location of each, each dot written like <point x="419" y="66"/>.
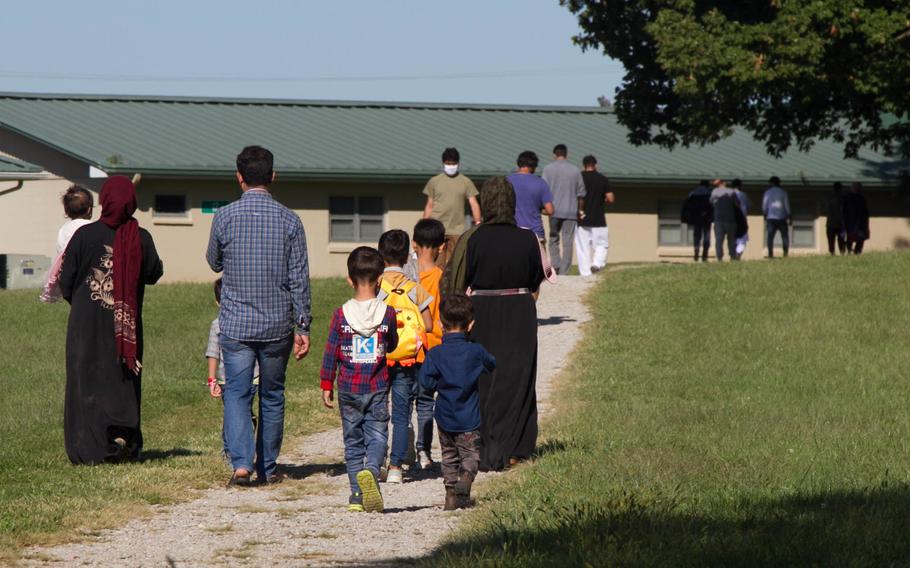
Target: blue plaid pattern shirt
<point x="260" y="245"/>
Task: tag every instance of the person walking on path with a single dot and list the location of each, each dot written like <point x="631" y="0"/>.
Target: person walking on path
<point x="834" y="224"/>
<point x="500" y="262"/>
<point x="592" y="239"/>
<point x="742" y="232"/>
<point x="856" y="219"/>
<point x="453" y="369"/>
<point x="363" y="331"/>
<point x="106" y="266"/>
<point x="776" y="208"/>
<point x="568" y="189"/>
<point x="725" y="204"/>
<point x="532" y="195"/>
<point x="260" y="247"/>
<point x="698" y="213"/>
<point x="446" y="196"/>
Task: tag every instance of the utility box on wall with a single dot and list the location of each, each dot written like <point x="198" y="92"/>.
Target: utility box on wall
<point x="19" y="271"/>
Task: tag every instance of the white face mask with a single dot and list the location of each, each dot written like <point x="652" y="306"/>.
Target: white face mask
<point x="450" y="170"/>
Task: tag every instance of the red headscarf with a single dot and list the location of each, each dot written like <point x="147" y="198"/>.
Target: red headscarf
<point x="118" y="202"/>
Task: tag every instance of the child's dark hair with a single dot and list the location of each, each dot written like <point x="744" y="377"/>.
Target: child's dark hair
<point x="429" y="233"/>
<point x="217" y="287"/>
<point x="393" y="246"/>
<point x="456" y="312"/>
<point x="365" y="265"/>
<point x="77" y="202"/>
<point x="589" y="161"/>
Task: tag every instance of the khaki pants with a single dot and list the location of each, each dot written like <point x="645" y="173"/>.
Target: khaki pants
<point x="443" y="259"/>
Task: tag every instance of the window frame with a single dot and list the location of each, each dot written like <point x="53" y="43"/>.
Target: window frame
<point x="185" y="214"/>
<point x="357" y="218"/>
<point x="686" y="233"/>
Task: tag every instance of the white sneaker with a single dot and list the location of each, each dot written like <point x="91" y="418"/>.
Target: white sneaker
<point x="394" y="476"/>
<point x="424" y="458"/>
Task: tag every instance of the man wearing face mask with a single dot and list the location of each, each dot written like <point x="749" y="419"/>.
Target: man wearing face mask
<point x="446" y="195"/>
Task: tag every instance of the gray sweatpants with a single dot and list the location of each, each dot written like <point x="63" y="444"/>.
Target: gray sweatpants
<point x="562" y="232"/>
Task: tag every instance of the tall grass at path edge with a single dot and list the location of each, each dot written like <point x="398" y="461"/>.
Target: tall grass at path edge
<point x="740" y="414"/>
<point x="43" y="498"/>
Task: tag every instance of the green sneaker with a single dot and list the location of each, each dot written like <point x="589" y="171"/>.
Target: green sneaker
<point x="372" y="498"/>
<point x="355" y="503"/>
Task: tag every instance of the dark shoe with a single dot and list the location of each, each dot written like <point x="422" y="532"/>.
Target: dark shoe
<point x="119" y="449"/>
<point x="452" y="500"/>
<point x="463" y="486"/>
<point x="273" y="479"/>
<point x="241" y="478"/>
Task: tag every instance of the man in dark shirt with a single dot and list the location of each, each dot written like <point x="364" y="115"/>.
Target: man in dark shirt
<point x="592" y="236"/>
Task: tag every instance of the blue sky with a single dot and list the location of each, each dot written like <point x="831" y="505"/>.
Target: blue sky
<point x="491" y="51"/>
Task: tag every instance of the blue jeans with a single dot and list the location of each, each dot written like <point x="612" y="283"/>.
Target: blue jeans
<point x="426" y="403"/>
<point x="365" y="427"/>
<point x="239" y="358"/>
<point x="404" y="395"/>
<point x="255" y="389"/>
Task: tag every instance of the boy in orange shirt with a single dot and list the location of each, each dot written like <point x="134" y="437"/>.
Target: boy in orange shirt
<point x="429" y="240"/>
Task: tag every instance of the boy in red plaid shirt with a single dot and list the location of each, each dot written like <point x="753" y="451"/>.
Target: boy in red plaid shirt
<point x="363" y="330"/>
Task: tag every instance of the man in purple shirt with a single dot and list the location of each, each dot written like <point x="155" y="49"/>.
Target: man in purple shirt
<point x="532" y="195"/>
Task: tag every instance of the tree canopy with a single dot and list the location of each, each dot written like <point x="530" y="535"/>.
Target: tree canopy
<point x="788" y="71"/>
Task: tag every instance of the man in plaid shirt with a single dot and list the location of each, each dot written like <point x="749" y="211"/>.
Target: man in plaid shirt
<point x="260" y="246"/>
<point x="363" y="331"/>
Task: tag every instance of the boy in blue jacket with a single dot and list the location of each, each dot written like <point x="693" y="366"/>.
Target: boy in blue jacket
<point x="452" y="370"/>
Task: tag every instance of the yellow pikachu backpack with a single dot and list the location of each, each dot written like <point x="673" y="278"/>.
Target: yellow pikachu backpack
<point x="412" y="333"/>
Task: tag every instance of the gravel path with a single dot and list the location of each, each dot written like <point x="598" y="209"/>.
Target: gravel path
<point x="304" y="521"/>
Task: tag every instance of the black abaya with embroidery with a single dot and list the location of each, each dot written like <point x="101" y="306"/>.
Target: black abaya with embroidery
<point x="102" y="395"/>
<point x="500" y="257"/>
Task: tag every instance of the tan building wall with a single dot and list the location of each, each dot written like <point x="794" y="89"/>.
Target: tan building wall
<point x="182" y="242"/>
<point x="31" y="216"/>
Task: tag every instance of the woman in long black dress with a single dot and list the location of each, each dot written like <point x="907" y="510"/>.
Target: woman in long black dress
<point x="105" y="269"/>
<point x="503" y="269"/>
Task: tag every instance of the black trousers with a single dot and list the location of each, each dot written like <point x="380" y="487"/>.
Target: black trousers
<point x="836" y="234"/>
<point x="702" y="235"/>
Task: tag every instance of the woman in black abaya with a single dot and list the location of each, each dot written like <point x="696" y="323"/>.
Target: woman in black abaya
<point x="502" y="269"/>
<point x="105" y="269"/>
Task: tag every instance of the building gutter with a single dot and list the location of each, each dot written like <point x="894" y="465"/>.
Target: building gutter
<point x="19" y="184"/>
<point x="416" y="176"/>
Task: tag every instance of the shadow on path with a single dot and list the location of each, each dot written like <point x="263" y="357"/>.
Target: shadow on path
<point x="302" y="471"/>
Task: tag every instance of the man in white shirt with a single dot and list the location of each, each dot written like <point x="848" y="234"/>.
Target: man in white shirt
<point x="776" y="207"/>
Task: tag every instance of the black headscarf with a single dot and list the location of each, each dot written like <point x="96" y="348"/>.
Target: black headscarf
<point x="497" y="206"/>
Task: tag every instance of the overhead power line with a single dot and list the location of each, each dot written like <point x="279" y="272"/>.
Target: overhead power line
<point x="504" y="74"/>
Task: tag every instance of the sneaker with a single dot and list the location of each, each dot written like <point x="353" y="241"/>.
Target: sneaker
<point x="394" y="475"/>
<point x="355" y="503"/>
<point x="425" y="461"/>
<point x="372" y="498"/>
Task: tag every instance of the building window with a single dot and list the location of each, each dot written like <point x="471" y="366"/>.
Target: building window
<point x="355" y="219"/>
<point x="802" y="233"/>
<point x="171" y="206"/>
<point x="671" y="232"/>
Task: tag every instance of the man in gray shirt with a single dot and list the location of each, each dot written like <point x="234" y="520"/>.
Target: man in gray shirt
<point x="568" y="189"/>
<point x="725" y="205"/>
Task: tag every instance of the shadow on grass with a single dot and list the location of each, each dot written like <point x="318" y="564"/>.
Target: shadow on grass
<point x="863" y="528"/>
<point x="160" y="455"/>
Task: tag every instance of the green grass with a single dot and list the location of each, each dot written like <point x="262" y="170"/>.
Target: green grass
<point x="745" y="414"/>
<point x="43" y="497"/>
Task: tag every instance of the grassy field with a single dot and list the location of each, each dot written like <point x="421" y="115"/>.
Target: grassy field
<point x="737" y="414"/>
<point x="42" y="497"/>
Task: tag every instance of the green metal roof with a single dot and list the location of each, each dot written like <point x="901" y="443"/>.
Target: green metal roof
<point x="11" y="167"/>
<point x="175" y="136"/>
